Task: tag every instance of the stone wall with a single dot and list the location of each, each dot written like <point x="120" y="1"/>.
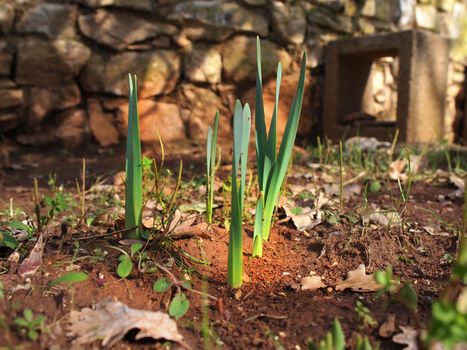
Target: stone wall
<point x="64" y="64"/>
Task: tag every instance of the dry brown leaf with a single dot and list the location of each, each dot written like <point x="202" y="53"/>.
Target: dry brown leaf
<point x="312" y="283"/>
<point x="396" y="170"/>
<point x="399" y="169"/>
<point x="31" y="264"/>
<point x="358" y="281"/>
<point x="388" y="328"/>
<point x="382" y="218"/>
<point x="460" y="184"/>
<point x="305" y="219"/>
<point x="409" y="337"/>
<point x="111" y="320"/>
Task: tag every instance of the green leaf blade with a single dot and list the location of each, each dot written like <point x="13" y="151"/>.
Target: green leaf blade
<point x="70" y="277"/>
<point x="179" y="306"/>
<point x="161" y="285"/>
<point x="134" y="173"/>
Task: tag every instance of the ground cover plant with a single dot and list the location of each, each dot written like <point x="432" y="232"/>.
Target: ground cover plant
<point x="366" y="249"/>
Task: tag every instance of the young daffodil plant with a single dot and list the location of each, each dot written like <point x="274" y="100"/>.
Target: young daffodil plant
<point x="272" y="167"/>
<point x="242" y="125"/>
<point x="134" y="171"/>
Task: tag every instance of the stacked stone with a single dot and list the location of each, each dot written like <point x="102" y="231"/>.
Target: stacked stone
<point x="64" y="64"/>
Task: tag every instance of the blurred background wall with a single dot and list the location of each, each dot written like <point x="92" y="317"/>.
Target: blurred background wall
<point x="64" y="64"/>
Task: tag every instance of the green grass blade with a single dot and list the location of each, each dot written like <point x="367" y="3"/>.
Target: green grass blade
<point x="246" y="125"/>
<point x="211" y="148"/>
<point x="134" y="174"/>
<point x="272" y="137"/>
<point x="208" y="153"/>
<point x="338" y="335"/>
<point x="242" y="125"/>
<point x="260" y="125"/>
<point x="257" y="237"/>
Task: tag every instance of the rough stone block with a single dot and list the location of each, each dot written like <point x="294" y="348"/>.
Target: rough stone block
<point x="464" y="124"/>
<point x="421" y="85"/>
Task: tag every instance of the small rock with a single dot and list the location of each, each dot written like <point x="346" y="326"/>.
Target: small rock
<point x="52" y="20"/>
<point x="163" y="116"/>
<point x="239" y="59"/>
<point x="289" y="21"/>
<point x="43" y="101"/>
<point x="426" y="17"/>
<point x="144" y="5"/>
<point x="101" y="124"/>
<point x="5" y="63"/>
<point x="119" y="29"/>
<point x="157" y="72"/>
<point x="11" y="98"/>
<point x="221" y="14"/>
<point x="340" y="24"/>
<point x="255" y="2"/>
<point x="203" y="64"/>
<point x="72" y="129"/>
<point x="9" y="121"/>
<point x="44" y="63"/>
<point x="203" y="104"/>
<point x="7" y="17"/>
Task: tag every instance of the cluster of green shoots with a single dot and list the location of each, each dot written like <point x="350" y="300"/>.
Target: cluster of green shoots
<point x="335" y="340"/>
<point x="271" y="165"/>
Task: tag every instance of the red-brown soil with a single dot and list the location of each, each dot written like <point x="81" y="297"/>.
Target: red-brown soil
<point x="270" y="310"/>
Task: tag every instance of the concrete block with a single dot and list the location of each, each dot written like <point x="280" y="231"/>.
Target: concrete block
<point x="421" y="85"/>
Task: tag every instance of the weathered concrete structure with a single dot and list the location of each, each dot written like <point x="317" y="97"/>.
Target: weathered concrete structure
<point x="421" y="85"/>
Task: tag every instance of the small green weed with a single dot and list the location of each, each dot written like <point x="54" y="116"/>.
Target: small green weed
<point x="30" y="326"/>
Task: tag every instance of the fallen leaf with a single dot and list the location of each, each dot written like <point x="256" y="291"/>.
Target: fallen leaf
<point x="303" y="218"/>
<point x="183" y="224"/>
<point x="199" y="207"/>
<point x="350" y="190"/>
<point x="358" y="281"/>
<point x="396" y="170"/>
<point x="365" y="143"/>
<point x="312" y="283"/>
<point x="148" y="222"/>
<point x="388" y="328"/>
<point x="119" y="178"/>
<point x="111" y="320"/>
<point x="435" y="232"/>
<point x="460" y="184"/>
<point x="399" y="169"/>
<point x="409" y="337"/>
<point x="31" y="264"/>
<point x="382" y="218"/>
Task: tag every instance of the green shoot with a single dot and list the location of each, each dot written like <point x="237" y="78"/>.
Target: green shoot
<point x="30" y="326"/>
<point x="272" y="168"/>
<point x="334" y="340"/>
<point x="211" y="147"/>
<point x="242" y="125"/>
<point x="341" y="178"/>
<point x="134" y="172"/>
